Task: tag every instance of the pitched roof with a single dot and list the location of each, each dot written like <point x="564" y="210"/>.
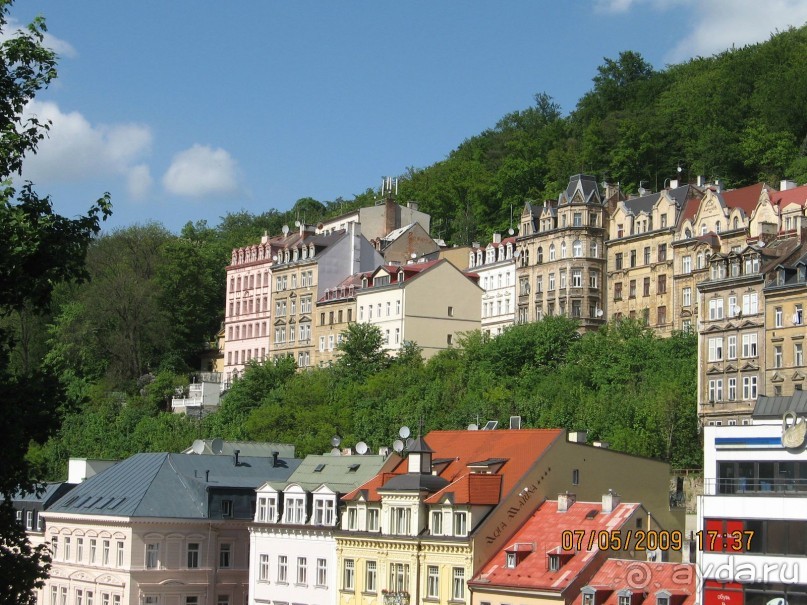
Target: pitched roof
<point x="340" y="473"/>
<point x="797" y="195"/>
<point x="677" y="579"/>
<point x="457" y="449"/>
<point x="585" y="184"/>
<point x="775" y="407"/>
<point x="745" y="198"/>
<point x="247" y="448"/>
<point x="168" y="485"/>
<point x="472" y="488"/>
<point x="544" y="532"/>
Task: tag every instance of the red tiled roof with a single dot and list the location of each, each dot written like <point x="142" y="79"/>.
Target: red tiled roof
<point x="797" y="195"/>
<point x="472" y="488"/>
<point x="690" y="209"/>
<point x="520" y="448"/>
<point x="544" y="529"/>
<point x="645" y="578"/>
<point x="745" y="198"/>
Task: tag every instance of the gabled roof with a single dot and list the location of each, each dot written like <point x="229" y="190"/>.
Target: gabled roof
<point x="168" y="485"/>
<point x="341" y="474"/>
<point x="584" y="184"/>
<point x="471" y="488"/>
<point x="544" y="530"/>
<point x="674" y="580"/>
<point x="521" y="448"/>
<point x="797" y="195"/>
<point x="744" y="198"/>
<point x="49" y="493"/>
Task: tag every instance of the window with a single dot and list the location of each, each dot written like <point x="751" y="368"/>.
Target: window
<point x="29" y="520"/>
<point x="352" y="518"/>
<point x="432" y="582"/>
<point x="551" y="252"/>
<point x="66" y="551"/>
<point x="662" y="316"/>
<point x="226" y="509"/>
<point x="105" y="598"/>
<point x="372" y="519"/>
<point x="400" y="519"/>
<point x="777" y="356"/>
<point x="120" y="554"/>
<point x="731" y="352"/>
<point x="750" y="303"/>
<point x="510" y="560"/>
<point x="576" y="476"/>
<point x="371" y="577"/>
<point x="798" y="316"/>
<point x="716" y="308"/>
<point x="646" y="287"/>
<point x="295" y="510"/>
<point x="322" y="572"/>
<point x="554" y="562"/>
<point x="749" y="345"/>
<point x="64" y="595"/>
<point x="732" y="389"/>
<point x="662" y="248"/>
<point x="716" y="348"/>
<point x="188" y="600"/>
<point x="152" y="556"/>
<point x="302" y="570"/>
<point x="647" y="255"/>
<point x="798" y="354"/>
<point x="686" y="264"/>
<point x="349" y="575"/>
<point x="282" y="569"/>
<point x="749" y="387"/>
<point x="105" y="553"/>
<point x="618" y="260"/>
<point x="716" y="390"/>
<point x="80" y="597"/>
<point x="662" y="284"/>
<point x="398" y="577"/>
<point x="624" y="599"/>
<point x="451" y="311"/>
<point x="686" y="296"/>
<point x="563" y="249"/>
<point x="460" y="524"/>
<point x="632" y="290"/>
<point x="577" y="248"/>
<point x="618" y="291"/>
<point x="458" y="584"/>
<point x="225" y="555"/>
<point x="437" y="523"/>
<point x="267" y="509"/>
<point x="223" y="599"/>
<point x="92" y="550"/>
<point x="193" y="555"/>
<point x="449" y="339"/>
<point x="263" y="568"/>
<point x="633" y="258"/>
<point x="778" y="321"/>
<point x="577" y="278"/>
<point x="551" y="282"/>
<point x="323" y="512"/>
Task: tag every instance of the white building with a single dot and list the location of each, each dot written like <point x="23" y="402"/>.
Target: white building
<point x="496" y="267"/>
<point x="752" y="518"/>
<point x="292" y="547"/>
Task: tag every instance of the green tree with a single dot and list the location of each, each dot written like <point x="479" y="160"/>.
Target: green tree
<point x="38" y="248"/>
<point x="361" y="351"/>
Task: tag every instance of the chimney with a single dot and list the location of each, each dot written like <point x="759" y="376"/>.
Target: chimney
<point x="274" y="458"/>
<point x="767" y="232"/>
<point x="497" y="238"/>
<point x="475" y="245"/>
<point x="354" y="233"/>
<point x="207" y="476"/>
<point x="390" y="222"/>
<point x="236" y="452"/>
<point x="610" y="501"/>
<point x="565" y="501"/>
<point x="719" y="185"/>
<point x="673" y="183"/>
<point x="700" y="181"/>
<point x="603" y="444"/>
<point x="413" y="206"/>
<point x="784" y="185"/>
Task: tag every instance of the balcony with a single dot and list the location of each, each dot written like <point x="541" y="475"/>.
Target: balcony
<point x="742" y="486"/>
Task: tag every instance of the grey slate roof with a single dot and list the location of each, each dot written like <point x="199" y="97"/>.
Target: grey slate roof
<point x="50" y="491"/>
<point x="342" y="474"/>
<point x="645" y="203"/>
<point x="248" y="448"/>
<point x="168" y="485"/>
<point x="588" y="188"/>
<point x="775" y="407"/>
<point x="415" y="482"/>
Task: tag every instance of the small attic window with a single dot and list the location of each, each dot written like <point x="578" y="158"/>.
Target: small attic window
<point x="663" y="598"/>
<point x="118" y="503"/>
<point x="591" y="514"/>
<point x="353" y="468"/>
<point x="624" y="597"/>
<point x="319" y="468"/>
<point x="510" y="560"/>
<point x="588" y="597"/>
<point x="554" y="562"/>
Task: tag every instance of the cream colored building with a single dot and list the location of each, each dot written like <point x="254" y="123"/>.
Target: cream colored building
<point x="561" y="257"/>
<point x="495" y="264"/>
<point x="158" y="529"/>
<point x="430" y="303"/>
<point x="336" y="309"/>
<point x="419" y="533"/>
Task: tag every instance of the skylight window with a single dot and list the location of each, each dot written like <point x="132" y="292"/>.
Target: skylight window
<point x="353" y="468"/>
<point x="319" y="468"/>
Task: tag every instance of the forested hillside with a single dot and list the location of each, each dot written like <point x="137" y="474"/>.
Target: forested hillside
<point x="122" y="341"/>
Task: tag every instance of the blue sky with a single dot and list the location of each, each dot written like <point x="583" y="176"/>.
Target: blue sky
<point x="185" y="110"/>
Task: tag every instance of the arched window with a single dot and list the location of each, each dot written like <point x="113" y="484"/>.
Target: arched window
<point x="717" y="226"/>
<point x="700" y="260"/>
<point x="577" y="248"/>
<point x="687" y="233"/>
<point x="239" y="283"/>
<point x="563" y="249"/>
<point x="703" y="229"/>
<point x="540" y="255"/>
<point x="471" y="260"/>
<point x="593" y="252"/>
<point x="736" y="223"/>
<point x="551" y="252"/>
<point x="259" y="280"/>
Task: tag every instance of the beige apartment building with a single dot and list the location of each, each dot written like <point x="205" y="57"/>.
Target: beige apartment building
<point x="641" y="233"/>
<point x="561" y="258"/>
<point x="336" y="309"/>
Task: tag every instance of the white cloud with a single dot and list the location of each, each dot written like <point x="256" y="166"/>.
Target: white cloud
<point x="721" y="24"/>
<point x="202" y="171"/>
<point x="57" y="45"/>
<point x="76" y="150"/>
<point x="717" y="25"/>
<point x="139" y="182"/>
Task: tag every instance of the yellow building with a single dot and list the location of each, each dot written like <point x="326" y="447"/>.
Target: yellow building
<point x="420" y="533"/>
<point x="336" y="309"/>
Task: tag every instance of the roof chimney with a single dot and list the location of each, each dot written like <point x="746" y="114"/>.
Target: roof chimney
<point x="784" y="185"/>
<point x="207" y="476"/>
<point x="700" y="181"/>
<point x="577" y="436"/>
<point x="497" y="238"/>
<point x="274" y="458"/>
<point x="565" y="501"/>
<point x="236" y="452"/>
<point x="610" y="501"/>
<point x="673" y="183"/>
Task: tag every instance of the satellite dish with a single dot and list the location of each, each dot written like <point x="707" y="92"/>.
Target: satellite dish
<point x="320" y="226"/>
<point x="336" y="452"/>
<point x="398" y="445"/>
<point x="510" y="231"/>
<point x="413" y="255"/>
<point x="216" y="446"/>
<point x="336" y="440"/>
<point x="599" y="313"/>
<point x="285" y="230"/>
<point x="198" y="446"/>
<point x="473" y="427"/>
<point x="296" y="223"/>
<point x="404" y="432"/>
<point x="274" y="258"/>
<point x="761" y="244"/>
<point x="777" y="601"/>
<point x="361" y="448"/>
<point x="409" y="443"/>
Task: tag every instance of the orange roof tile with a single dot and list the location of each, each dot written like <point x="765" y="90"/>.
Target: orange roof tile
<point x="544" y="531"/>
<point x="645" y="578"/>
<point x="797" y="195"/>
<point x="745" y="198"/>
<point x="471" y="488"/>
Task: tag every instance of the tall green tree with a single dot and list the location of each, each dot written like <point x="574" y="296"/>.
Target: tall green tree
<point x="38" y="248"/>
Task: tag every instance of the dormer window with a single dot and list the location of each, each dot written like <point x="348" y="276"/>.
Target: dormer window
<point x="295" y="509"/>
<point x="364" y="282"/>
<point x="472" y="260"/>
<point x="663" y="598"/>
<point x="267" y="509"/>
<point x="460" y="524"/>
<point x="554" y="562"/>
<point x="400" y="276"/>
<point x="296" y="253"/>
<point x="624" y="597"/>
<point x="437" y="523"/>
<point x="510" y="560"/>
<point x="323" y="511"/>
<point x="588" y="596"/>
<point x="381" y="280"/>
